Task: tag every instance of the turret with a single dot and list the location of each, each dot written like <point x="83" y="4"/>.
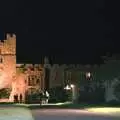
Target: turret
<point x="46" y="63"/>
<point x="9" y="36"/>
<point x="47" y="67"/>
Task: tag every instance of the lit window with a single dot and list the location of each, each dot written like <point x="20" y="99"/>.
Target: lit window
<point x="88" y="75"/>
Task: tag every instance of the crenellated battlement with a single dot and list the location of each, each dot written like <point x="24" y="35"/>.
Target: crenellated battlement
<point x="8" y="46"/>
<point x="10" y="36"/>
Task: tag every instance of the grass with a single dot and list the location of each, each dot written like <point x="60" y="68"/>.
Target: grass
<point x="72" y="106"/>
<point x="105" y="109"/>
<point x="15" y="113"/>
<point x="64" y="106"/>
<point x="2" y="103"/>
<point x="67" y="105"/>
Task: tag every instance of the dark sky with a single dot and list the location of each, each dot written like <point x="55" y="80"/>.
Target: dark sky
<point x="65" y="33"/>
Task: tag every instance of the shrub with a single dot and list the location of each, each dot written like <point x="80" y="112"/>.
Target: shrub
<point x="57" y="94"/>
<point x="113" y="103"/>
<point x="5" y="93"/>
<point x="96" y="96"/>
<point x="117" y="91"/>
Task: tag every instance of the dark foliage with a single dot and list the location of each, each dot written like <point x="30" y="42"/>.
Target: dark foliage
<point x="96" y="96"/>
<point x="58" y="94"/>
<point x="117" y="90"/>
<point x="5" y="93"/>
<point x="113" y="103"/>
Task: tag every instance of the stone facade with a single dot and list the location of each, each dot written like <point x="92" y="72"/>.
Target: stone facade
<point x="21" y="78"/>
<point x="26" y="78"/>
<point x="57" y="75"/>
<point x="35" y="78"/>
<point x="7" y="61"/>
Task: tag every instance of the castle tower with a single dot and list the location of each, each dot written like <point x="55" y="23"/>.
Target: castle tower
<point x="46" y="63"/>
<point x="8" y="59"/>
<point x="46" y="73"/>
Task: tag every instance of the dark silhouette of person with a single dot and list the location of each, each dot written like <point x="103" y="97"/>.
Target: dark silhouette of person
<point x="16" y="98"/>
<point x="41" y="97"/>
<point x="20" y="98"/>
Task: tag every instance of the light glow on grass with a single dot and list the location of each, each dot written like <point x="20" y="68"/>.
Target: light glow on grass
<point x="49" y="104"/>
<point x="65" y="103"/>
<point x="104" y="110"/>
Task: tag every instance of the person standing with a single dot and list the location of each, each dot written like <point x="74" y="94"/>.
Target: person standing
<point x="14" y="98"/>
<point x="47" y="96"/>
<point x="41" y="97"/>
<point x="20" y="98"/>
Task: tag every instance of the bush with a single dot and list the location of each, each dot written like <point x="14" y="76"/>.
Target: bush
<point x="57" y="94"/>
<point x="33" y="98"/>
<point x="5" y="93"/>
<point x="113" y="103"/>
<point x="96" y="96"/>
<point x="117" y="91"/>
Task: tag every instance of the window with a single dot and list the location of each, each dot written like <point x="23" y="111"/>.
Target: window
<point x="25" y="81"/>
<point x="32" y="69"/>
<point x="31" y="90"/>
<point x="56" y="75"/>
<point x="1" y="59"/>
<point x="37" y="81"/>
<point x="31" y="81"/>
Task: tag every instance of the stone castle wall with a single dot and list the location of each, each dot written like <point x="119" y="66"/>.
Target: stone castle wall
<point x="7" y="59"/>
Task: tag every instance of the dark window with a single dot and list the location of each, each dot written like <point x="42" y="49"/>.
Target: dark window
<point x="33" y="82"/>
<point x="32" y="69"/>
<point x="1" y="59"/>
<point x="25" y="81"/>
<point x="29" y="81"/>
<point x="37" y="81"/>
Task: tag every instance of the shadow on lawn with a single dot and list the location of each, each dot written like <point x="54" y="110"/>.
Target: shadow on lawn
<point x="64" y="106"/>
<point x="3" y="104"/>
<point x="72" y="106"/>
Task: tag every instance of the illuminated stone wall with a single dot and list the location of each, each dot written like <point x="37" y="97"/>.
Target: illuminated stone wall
<point x="19" y="80"/>
<point x="7" y="60"/>
<point x="35" y="77"/>
<point x="16" y="76"/>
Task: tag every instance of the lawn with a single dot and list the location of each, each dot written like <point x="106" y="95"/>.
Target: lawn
<point x="24" y="109"/>
<point x="69" y="105"/>
<point x="15" y="113"/>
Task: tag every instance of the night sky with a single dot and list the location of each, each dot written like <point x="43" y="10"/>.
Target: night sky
<point x="65" y="33"/>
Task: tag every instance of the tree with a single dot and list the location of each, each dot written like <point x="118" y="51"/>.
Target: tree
<point x="58" y="94"/>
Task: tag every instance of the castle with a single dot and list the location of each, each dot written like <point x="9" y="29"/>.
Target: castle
<point x="12" y="75"/>
<point x="24" y="79"/>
